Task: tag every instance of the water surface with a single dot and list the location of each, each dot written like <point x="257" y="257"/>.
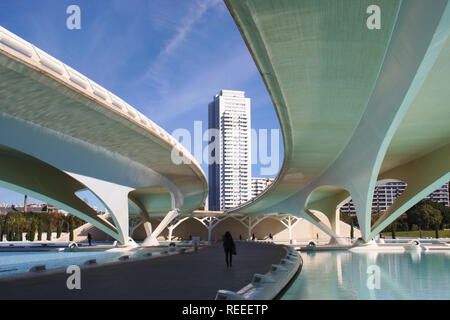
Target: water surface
<point x="345" y="275"/>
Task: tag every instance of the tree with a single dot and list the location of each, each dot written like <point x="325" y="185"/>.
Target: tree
<point x="19" y="234"/>
<point x="71" y="222"/>
<point x="431" y="216"/>
<point x="49" y="231"/>
<point x="446" y="217"/>
<point x="40" y="230"/>
<point x="58" y="229"/>
<point x="393" y="230"/>
<point x="352" y="232"/>
<point x="33" y="228"/>
<point x="426" y="214"/>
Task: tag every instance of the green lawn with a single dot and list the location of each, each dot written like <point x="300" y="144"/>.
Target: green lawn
<point x="415" y="234"/>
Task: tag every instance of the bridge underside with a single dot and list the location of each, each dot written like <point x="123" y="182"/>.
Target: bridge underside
<point x="355" y="105"/>
<point x="83" y="137"/>
<point x="28" y="175"/>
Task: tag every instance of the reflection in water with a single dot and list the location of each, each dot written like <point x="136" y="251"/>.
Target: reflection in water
<point x="343" y="275"/>
<point x="415" y="256"/>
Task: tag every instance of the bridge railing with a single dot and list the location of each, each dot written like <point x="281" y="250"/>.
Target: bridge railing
<point x="53" y="66"/>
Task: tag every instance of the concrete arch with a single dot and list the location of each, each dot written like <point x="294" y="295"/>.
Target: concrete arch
<point x="423" y="176"/>
<point x="26" y="174"/>
<point x="268" y="225"/>
<point x="327" y="200"/>
<point x="50" y="112"/>
<point x="394" y="90"/>
<point x="189" y="227"/>
<point x="234" y="226"/>
<point x="154" y="200"/>
<point x="142" y="231"/>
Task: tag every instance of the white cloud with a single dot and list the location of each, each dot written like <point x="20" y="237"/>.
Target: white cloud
<point x="198" y="89"/>
<point x="195" y="13"/>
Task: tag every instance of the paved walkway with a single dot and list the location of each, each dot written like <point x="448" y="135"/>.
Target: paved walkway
<point x="191" y="276"/>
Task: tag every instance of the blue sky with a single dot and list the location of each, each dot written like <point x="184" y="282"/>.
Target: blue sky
<point x="167" y="58"/>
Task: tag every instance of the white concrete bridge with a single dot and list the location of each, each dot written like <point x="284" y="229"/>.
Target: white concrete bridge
<point x="61" y="133"/>
<point x="356" y="106"/>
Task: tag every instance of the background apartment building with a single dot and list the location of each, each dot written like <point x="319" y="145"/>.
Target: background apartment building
<point x="259" y="184"/>
<point x="385" y="195"/>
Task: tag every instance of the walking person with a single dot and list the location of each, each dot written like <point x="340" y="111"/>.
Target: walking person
<point x="229" y="248"/>
<point x="89" y="239"/>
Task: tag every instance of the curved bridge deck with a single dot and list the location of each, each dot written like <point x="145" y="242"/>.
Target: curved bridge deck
<point x="190" y="276"/>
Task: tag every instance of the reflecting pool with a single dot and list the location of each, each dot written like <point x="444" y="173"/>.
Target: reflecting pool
<point x="372" y="275"/>
<point x="17" y="262"/>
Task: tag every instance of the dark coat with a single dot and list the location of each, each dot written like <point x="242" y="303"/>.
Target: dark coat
<point x="228" y="244"/>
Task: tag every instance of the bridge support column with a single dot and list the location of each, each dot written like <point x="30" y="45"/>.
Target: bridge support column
<point x="329" y="206"/>
<point x="147" y="228"/>
<point x="28" y="175"/>
<point x="252" y="222"/>
<point x="134" y="223"/>
<point x="152" y="240"/>
<point x="388" y="104"/>
<point x="173" y="227"/>
<point x="311" y="217"/>
<point x="423" y="176"/>
<point x="290" y="222"/>
<point x="115" y="199"/>
<point x="210" y="223"/>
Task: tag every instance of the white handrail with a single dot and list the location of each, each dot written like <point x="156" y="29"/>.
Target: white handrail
<point x="52" y="64"/>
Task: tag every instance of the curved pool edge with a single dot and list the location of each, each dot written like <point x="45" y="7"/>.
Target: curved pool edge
<point x="271" y="285"/>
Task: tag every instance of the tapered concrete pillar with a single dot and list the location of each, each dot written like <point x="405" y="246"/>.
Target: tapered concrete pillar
<point x="174" y="226"/>
<point x="152" y="240"/>
<point x="290" y="222"/>
<point x="423" y="176"/>
<point x="147" y="228"/>
<point x="28" y="175"/>
<point x="115" y="199"/>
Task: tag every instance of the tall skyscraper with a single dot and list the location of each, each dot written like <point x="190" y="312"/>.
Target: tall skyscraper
<point x="230" y="176"/>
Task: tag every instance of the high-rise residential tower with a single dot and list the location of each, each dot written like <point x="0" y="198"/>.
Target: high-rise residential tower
<point x="230" y="176"/>
<point x="258" y="185"/>
<point x="385" y="195"/>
